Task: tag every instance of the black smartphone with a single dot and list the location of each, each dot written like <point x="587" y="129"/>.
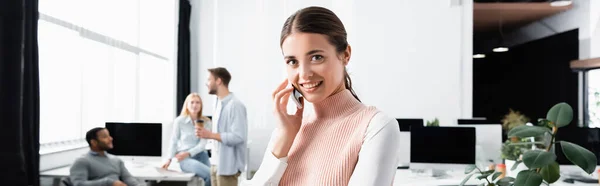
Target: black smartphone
<point x="296" y="97"/>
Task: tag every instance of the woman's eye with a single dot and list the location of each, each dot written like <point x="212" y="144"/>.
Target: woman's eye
<point x="317" y="57"/>
<point x="291" y="62"/>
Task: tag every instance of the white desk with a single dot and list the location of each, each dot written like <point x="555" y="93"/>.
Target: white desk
<point x="144" y="172"/>
<point x="405" y="177"/>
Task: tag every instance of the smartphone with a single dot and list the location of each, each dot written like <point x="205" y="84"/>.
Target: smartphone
<point x="296" y="97"/>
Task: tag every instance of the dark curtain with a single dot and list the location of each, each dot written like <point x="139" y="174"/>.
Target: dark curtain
<point x="183" y="53"/>
<point x="19" y="93"/>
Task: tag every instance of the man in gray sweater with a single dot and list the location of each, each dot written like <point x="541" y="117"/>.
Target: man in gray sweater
<point x="98" y="168"/>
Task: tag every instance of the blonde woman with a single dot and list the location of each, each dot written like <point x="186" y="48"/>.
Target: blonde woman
<point x="190" y="150"/>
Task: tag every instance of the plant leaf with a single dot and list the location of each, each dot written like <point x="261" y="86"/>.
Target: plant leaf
<point x="579" y="156"/>
<point x="495" y="175"/>
<point x="525" y="131"/>
<point x="560" y="114"/>
<point x="465" y="180"/>
<point x="515" y="165"/>
<point x="537" y="159"/>
<point x="470" y="169"/>
<point x="506" y="181"/>
<point x="528" y="178"/>
<point x="483" y="176"/>
<point x="551" y="173"/>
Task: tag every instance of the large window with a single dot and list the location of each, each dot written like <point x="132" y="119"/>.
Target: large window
<point x="594" y="97"/>
<point x="104" y="60"/>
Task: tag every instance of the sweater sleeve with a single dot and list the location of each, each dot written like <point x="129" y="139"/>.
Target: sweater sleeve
<point x="377" y="161"/>
<point x="271" y="169"/>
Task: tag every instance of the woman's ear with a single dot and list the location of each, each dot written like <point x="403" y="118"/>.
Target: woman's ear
<point x="347" y="54"/>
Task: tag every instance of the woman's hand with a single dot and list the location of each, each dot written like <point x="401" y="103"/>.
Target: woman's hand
<point x="288" y="125"/>
<point x="166" y="165"/>
<point x="182" y="155"/>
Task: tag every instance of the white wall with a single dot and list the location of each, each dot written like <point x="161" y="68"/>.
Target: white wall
<point x="410" y="58"/>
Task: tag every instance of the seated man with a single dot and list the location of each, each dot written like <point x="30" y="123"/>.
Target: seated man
<point x="98" y="168"/>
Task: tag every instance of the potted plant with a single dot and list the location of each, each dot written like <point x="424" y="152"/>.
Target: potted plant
<point x="513" y="119"/>
<point x="434" y="123"/>
<point x="541" y="164"/>
<point x="512" y="154"/>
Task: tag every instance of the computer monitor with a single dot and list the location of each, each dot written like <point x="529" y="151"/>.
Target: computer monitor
<point x="442" y="148"/>
<point x="473" y="121"/>
<point x="488" y="143"/>
<point x="136" y="140"/>
<point x="407" y="123"/>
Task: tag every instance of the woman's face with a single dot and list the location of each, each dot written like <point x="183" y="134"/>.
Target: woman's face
<point x="194" y="105"/>
<point x="314" y="66"/>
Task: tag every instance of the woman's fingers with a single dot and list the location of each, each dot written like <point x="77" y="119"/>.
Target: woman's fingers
<point x="284" y="101"/>
<point x="281" y="86"/>
<point x="280" y="95"/>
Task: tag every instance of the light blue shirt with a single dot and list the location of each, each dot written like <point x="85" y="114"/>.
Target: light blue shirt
<point x="232" y="125"/>
<point x="183" y="138"/>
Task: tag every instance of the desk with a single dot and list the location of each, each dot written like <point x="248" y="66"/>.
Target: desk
<point x="145" y="172"/>
<point x="405" y="177"/>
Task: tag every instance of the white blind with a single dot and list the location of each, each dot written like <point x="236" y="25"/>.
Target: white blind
<point x="104" y="60"/>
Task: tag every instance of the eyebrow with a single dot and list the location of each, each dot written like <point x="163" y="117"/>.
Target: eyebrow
<point x="308" y="53"/>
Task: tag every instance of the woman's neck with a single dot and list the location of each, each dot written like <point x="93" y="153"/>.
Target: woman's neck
<point x="336" y="104"/>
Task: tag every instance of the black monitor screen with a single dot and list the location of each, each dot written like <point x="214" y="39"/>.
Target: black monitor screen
<point x="135" y="139"/>
<point x="442" y="145"/>
<point x="588" y="138"/>
<point x="406" y="124"/>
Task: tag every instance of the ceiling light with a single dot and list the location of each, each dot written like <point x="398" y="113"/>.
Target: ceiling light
<point x="561" y="3"/>
<point x="479" y="56"/>
<point x="500" y="49"/>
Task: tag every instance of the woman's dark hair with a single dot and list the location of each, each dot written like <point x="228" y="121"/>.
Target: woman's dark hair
<point x="319" y="20"/>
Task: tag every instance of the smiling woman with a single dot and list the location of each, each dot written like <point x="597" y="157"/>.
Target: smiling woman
<point x="316" y="52"/>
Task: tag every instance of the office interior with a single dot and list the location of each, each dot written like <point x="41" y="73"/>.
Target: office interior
<point x="454" y="73"/>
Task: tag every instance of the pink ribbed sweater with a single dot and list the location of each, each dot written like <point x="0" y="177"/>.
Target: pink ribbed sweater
<point x="326" y="148"/>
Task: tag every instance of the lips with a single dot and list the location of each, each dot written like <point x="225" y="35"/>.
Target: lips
<point x="311" y="86"/>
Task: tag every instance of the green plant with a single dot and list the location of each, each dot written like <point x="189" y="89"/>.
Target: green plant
<point x="434" y="123"/>
<point x="512" y="151"/>
<point x="513" y="119"/>
<point x="484" y="175"/>
<point x="542" y="163"/>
